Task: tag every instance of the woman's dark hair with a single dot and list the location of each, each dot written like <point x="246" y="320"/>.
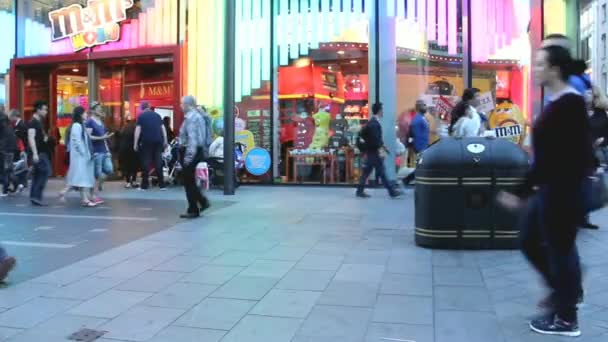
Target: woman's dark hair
<point x="38" y="105"/>
<point x="77" y="117"/>
<point x="461" y="107"/>
<point x="561" y="58"/>
<point x="3" y="120"/>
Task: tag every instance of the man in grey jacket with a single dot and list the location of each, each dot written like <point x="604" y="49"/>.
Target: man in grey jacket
<point x="193" y="138"/>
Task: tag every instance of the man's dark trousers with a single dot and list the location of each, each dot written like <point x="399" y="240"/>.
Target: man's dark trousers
<point x="196" y="199"/>
<point x="151" y="154"/>
<point x="373" y="161"/>
<point x="548" y="240"/>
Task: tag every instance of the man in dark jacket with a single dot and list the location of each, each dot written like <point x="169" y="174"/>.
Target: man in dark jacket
<point x="374" y="148"/>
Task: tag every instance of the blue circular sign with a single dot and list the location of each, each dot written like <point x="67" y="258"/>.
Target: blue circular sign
<point x="258" y="161"/>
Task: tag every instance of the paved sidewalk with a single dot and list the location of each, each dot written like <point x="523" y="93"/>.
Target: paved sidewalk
<point x="296" y="264"/>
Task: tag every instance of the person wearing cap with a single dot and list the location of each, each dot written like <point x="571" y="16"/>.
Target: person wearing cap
<point x="374" y="149"/>
<point x="101" y="152"/>
<point x="150" y="140"/>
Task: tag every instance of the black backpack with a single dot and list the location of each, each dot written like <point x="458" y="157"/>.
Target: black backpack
<point x="362" y="139"/>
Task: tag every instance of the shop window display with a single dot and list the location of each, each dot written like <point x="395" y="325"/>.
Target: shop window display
<point x="501" y="67"/>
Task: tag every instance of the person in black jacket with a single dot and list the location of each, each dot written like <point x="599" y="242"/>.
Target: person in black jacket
<point x="129" y="160"/>
<point x="555" y="188"/>
<point x="374" y="149"/>
<point x="20" y="129"/>
<point x="599" y="127"/>
<point x="8" y="147"/>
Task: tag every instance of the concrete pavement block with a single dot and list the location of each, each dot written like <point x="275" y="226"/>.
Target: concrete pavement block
<point x="140" y="323"/>
<point x="67" y="275"/>
<point x="467" y="326"/>
<point x="242" y="287"/>
<point x="268" y="268"/>
<point x="85" y="289"/>
<point x="185" y="334"/>
<point x="213" y="274"/>
<point x="34" y="312"/>
<point x="409" y="285"/>
<point x="463" y="276"/>
<point x="343" y="293"/>
<point x="151" y="281"/>
<point x="320" y="262"/>
<point x="383" y="332"/>
<point x="216" y="313"/>
<point x="181" y="295"/>
<point x="336" y="322"/>
<point x="311" y="280"/>
<point x="183" y="263"/>
<point x="58" y="328"/>
<point x="287" y="303"/>
<point x="403" y="309"/>
<point x="109" y="304"/>
<point x="264" y="329"/>
<point x="360" y="273"/>
<point x="235" y="258"/>
<point x="285" y="253"/>
<point x="16" y="295"/>
<point x="464" y="298"/>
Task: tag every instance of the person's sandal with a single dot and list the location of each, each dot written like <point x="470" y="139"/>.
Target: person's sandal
<point x="89" y="204"/>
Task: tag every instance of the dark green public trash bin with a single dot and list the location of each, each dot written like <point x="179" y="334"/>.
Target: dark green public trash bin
<point x="456" y="185"/>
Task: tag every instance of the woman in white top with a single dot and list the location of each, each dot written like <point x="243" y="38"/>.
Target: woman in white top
<point x="468" y="125"/>
<point x="81" y="173"/>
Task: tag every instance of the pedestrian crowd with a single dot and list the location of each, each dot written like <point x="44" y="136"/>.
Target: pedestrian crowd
<point x="26" y="149"/>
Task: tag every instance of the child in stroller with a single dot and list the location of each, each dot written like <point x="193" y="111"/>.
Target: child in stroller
<point x="215" y="162"/>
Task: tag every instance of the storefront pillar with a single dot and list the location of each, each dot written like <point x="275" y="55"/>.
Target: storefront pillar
<point x="229" y="92"/>
<point x="93" y="81"/>
<point x="383" y="75"/>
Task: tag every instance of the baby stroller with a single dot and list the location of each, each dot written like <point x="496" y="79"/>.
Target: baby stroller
<point x="216" y="166"/>
<point x="171" y="164"/>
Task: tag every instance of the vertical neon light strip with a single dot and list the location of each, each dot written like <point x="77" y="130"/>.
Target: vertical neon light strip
<point x="510" y="27"/>
<point x="335" y="18"/>
<point x="401" y="12"/>
<point x="247" y="47"/>
<point x="452" y="27"/>
<point x="256" y="66"/>
<point x="326" y="33"/>
<point x="238" y="53"/>
<point x="282" y="33"/>
<point x="266" y="41"/>
<point x="421" y="15"/>
<point x="314" y="21"/>
<point x="215" y="37"/>
<point x="390" y="8"/>
<point x="358" y="9"/>
<point x="431" y="17"/>
<point x="491" y="27"/>
<point x="192" y="44"/>
<point x="203" y="87"/>
<point x="500" y="21"/>
<point x="294" y="47"/>
<point x="442" y="21"/>
<point x="411" y="9"/>
<point x="219" y="49"/>
<point x="305" y="24"/>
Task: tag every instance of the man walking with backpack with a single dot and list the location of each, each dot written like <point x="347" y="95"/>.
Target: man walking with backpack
<point x="374" y="150"/>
